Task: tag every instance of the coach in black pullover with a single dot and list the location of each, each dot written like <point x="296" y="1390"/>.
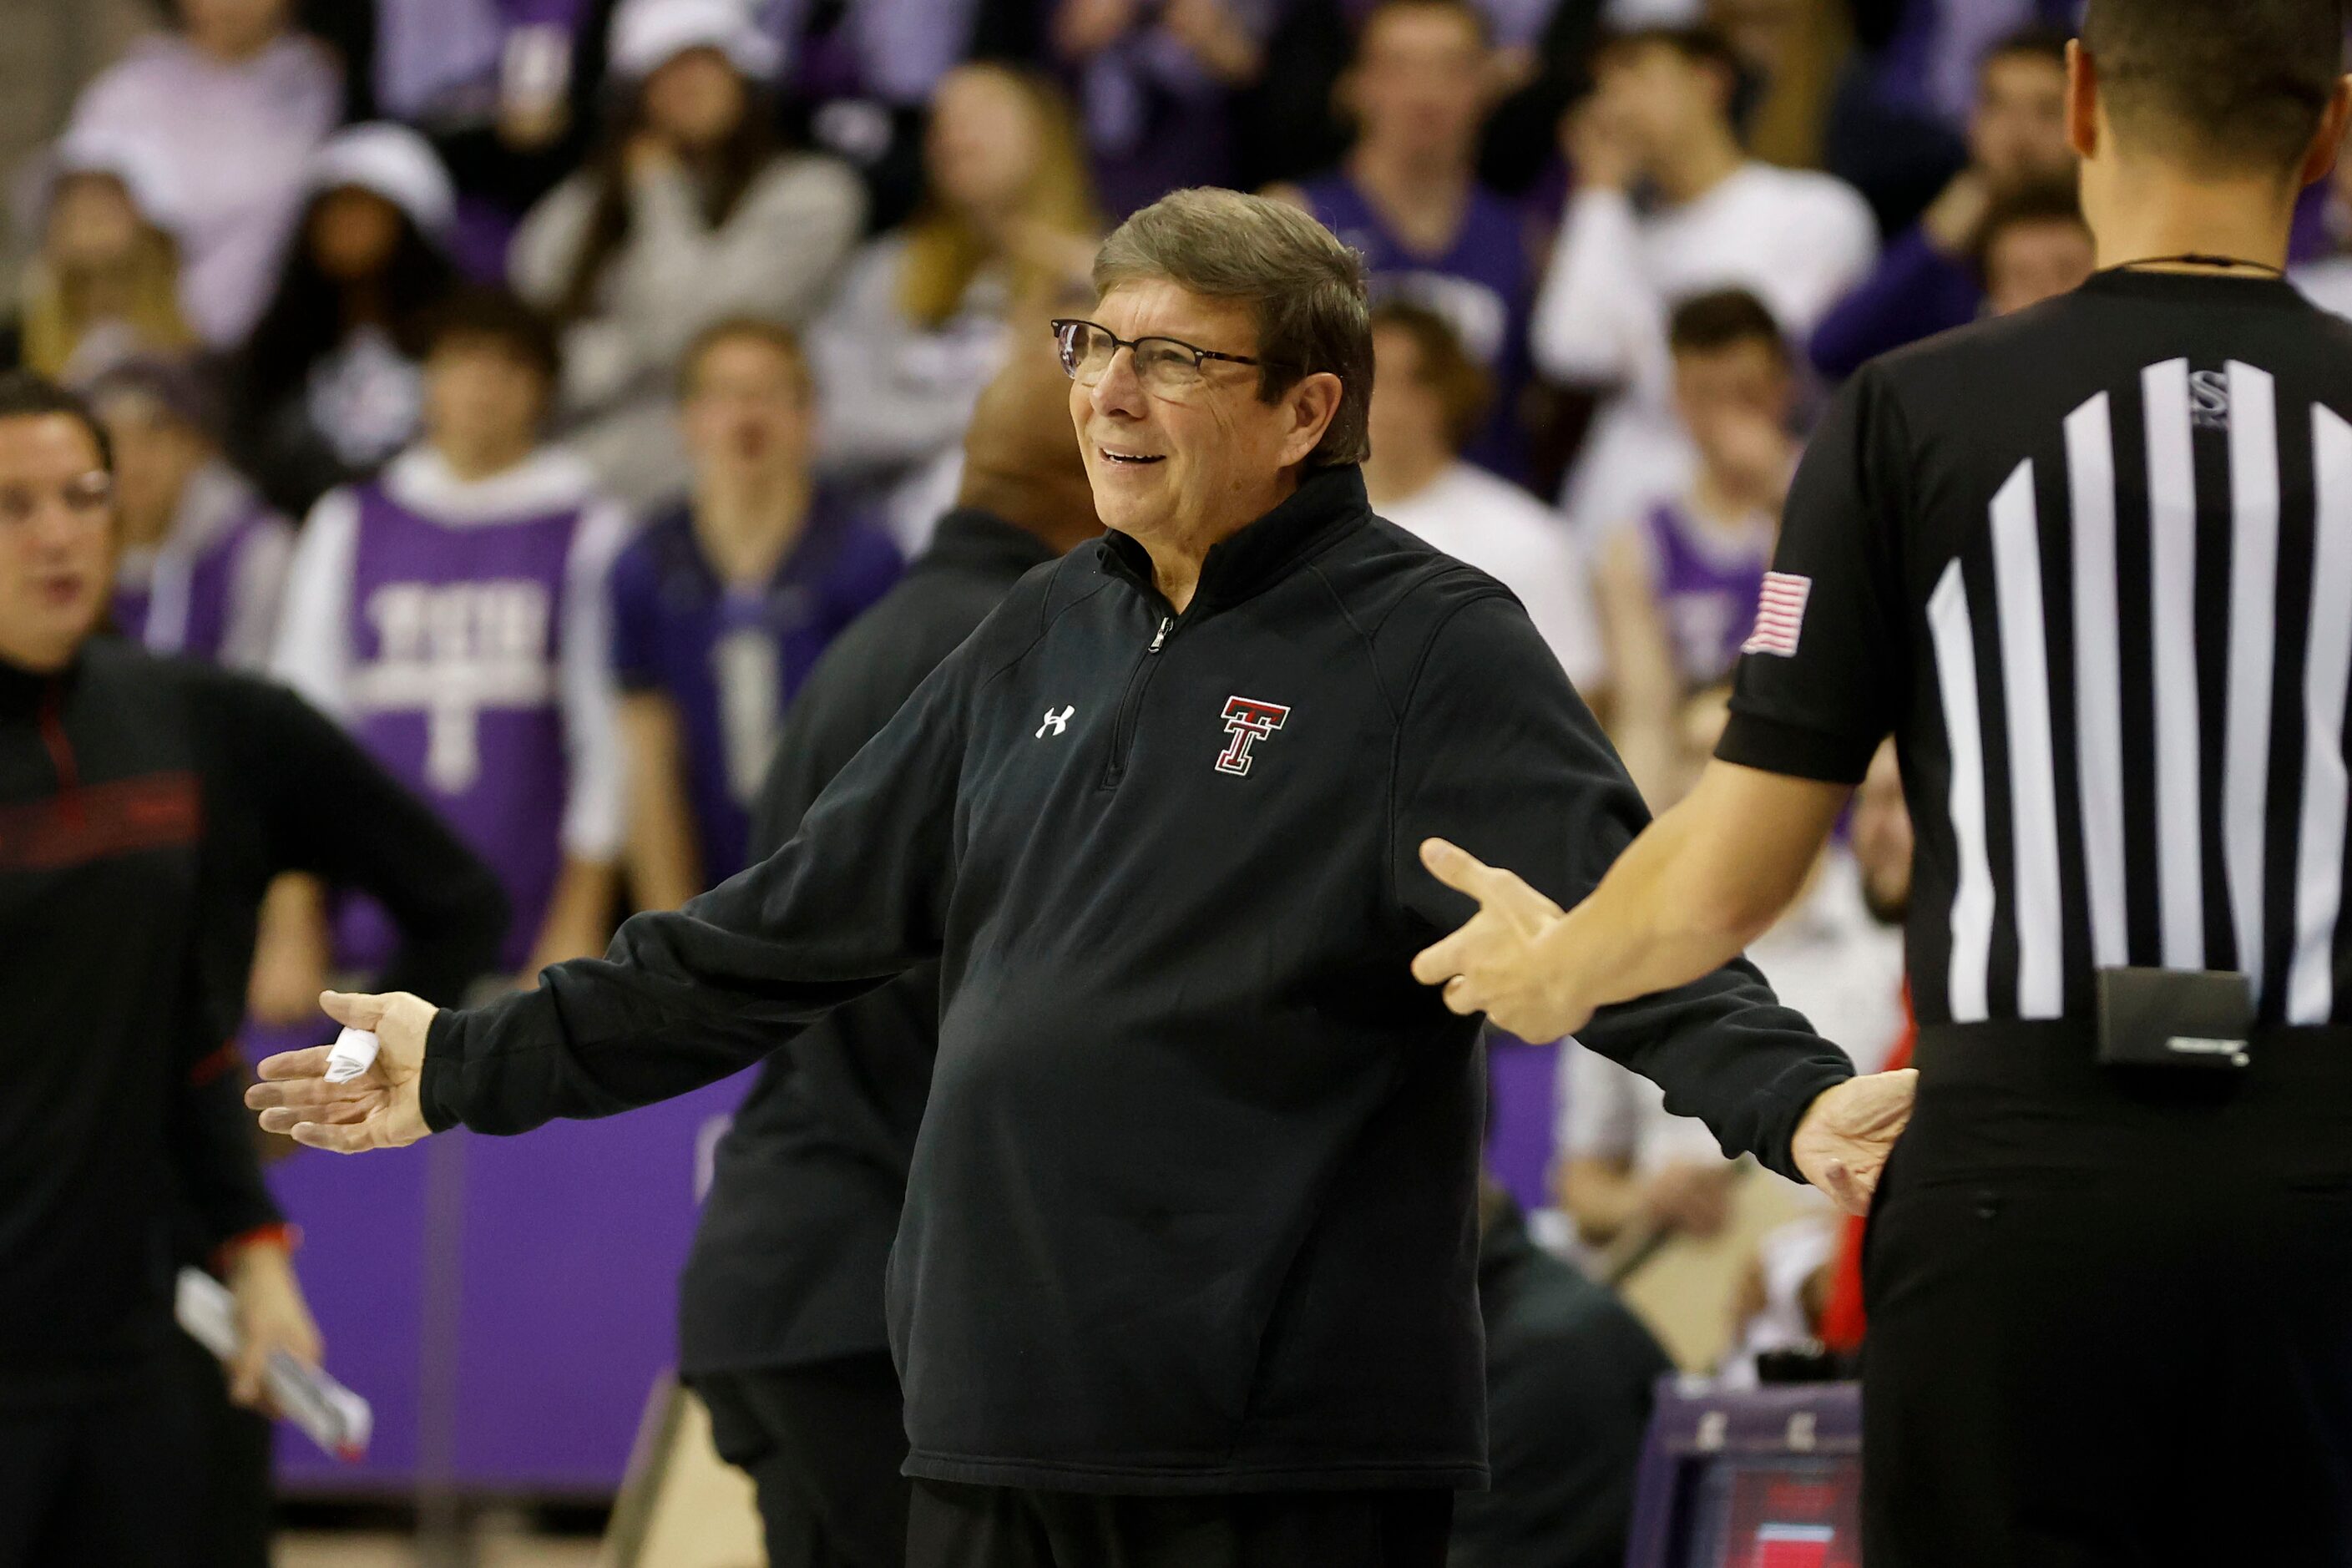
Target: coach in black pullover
<point x="1193" y="1205"/>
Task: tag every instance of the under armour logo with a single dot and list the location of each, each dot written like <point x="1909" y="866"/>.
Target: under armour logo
<point x="1250" y="721"/>
<point x="1057" y="723"/>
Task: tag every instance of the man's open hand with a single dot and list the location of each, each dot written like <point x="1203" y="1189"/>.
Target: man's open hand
<point x="1843" y="1144"/>
<point x="1496" y="964"/>
<point x="378" y="1109"/>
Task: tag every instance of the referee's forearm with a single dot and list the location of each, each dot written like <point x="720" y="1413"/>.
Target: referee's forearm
<point x="1680" y="902"/>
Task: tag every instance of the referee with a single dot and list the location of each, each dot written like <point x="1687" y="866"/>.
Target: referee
<point x="2092" y="566"/>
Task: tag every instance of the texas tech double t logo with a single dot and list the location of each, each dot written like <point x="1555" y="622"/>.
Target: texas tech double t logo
<point x="1250" y="721"/>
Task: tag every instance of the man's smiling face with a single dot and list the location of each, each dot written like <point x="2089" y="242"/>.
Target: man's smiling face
<point x="1203" y="463"/>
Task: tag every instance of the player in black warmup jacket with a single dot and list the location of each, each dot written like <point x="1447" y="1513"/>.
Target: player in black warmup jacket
<point x="2092" y="566"/>
<point x="144" y="804"/>
<point x="1186" y="1277"/>
<point x="780" y="1312"/>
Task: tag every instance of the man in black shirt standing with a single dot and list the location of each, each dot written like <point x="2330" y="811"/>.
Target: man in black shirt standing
<point x="2091" y="566"/>
<point x="781" y="1326"/>
<point x="1185" y="1277"/>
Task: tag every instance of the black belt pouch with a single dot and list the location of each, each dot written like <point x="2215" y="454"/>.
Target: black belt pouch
<point x="2194" y="1020"/>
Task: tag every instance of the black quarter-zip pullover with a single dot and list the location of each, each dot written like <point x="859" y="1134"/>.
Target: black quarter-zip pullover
<point x="1194" y="1204"/>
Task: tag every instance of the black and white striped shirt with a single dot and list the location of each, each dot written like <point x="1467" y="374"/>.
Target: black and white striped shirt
<point x="2092" y="566"/>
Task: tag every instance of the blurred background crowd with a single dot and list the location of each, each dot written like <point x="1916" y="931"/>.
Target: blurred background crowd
<point x="675" y="312"/>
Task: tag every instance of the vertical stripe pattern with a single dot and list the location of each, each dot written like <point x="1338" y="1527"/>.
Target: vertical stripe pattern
<point x="2319" y="844"/>
<point x="2253" y="625"/>
<point x="2172" y="562"/>
<point x="2098" y="675"/>
<point x="2166" y="780"/>
<point x="1972" y="900"/>
<point x="2033" y="775"/>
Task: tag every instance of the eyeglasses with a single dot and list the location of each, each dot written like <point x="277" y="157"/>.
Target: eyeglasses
<point x="1166" y="366"/>
<point x="87" y="496"/>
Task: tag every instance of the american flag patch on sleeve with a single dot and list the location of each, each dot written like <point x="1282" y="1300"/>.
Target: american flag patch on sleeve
<point x="1780" y="615"/>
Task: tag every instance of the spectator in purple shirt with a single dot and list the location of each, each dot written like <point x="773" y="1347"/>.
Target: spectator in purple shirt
<point x="721" y="607"/>
<point x="1154" y="80"/>
<point x="200" y="558"/>
<point x="1407" y="195"/>
<point x="1924" y="282"/>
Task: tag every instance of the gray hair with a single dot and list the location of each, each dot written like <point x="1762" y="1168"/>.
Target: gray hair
<point x="1305" y="289"/>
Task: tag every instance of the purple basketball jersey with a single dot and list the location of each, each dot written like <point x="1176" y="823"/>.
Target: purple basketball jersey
<point x="1707" y="584"/>
<point x="455" y="643"/>
<point x="729" y="658"/>
<point x="217" y="577"/>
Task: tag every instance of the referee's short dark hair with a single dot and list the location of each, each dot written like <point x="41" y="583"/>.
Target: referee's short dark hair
<point x="26" y="395"/>
<point x="1723" y="318"/>
<point x="2225" y="85"/>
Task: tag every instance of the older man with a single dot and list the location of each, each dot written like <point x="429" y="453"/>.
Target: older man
<point x="1186" y="1270"/>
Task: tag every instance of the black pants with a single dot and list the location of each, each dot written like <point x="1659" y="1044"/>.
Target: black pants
<point x="2111" y="1322"/>
<point x="1005" y="1527"/>
<point x="100" y="1484"/>
<point x="232" y="1491"/>
<point x="822" y="1445"/>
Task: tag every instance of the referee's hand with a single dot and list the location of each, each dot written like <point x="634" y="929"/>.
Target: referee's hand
<point x="1843" y="1144"/>
<point x="380" y="1109"/>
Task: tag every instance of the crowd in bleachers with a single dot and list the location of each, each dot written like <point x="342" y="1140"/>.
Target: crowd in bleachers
<point x="538" y="385"/>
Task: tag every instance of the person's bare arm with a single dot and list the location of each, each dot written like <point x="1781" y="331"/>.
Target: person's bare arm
<point x="290" y="951"/>
<point x="659" y="851"/>
<point x="1645" y="687"/>
<point x="1684" y="898"/>
<point x="579" y="916"/>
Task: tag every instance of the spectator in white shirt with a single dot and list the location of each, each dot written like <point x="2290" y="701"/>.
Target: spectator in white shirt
<point x="228" y="107"/>
<point x="1429" y="397"/>
<point x="689" y="213"/>
<point x="1661" y="120"/>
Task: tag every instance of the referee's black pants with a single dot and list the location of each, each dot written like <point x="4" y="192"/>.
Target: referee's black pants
<point x="952" y="1526"/>
<point x="107" y="1481"/>
<point x="2111" y="1320"/>
<point x="822" y="1445"/>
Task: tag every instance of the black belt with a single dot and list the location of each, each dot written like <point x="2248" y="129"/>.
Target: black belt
<point x="2059" y="1057"/>
<point x="2034" y="1094"/>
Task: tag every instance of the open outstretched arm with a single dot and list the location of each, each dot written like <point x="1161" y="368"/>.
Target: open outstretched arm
<point x="684" y="996"/>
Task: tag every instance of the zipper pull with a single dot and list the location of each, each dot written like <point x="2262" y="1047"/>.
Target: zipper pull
<point x="1162" y="635"/>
